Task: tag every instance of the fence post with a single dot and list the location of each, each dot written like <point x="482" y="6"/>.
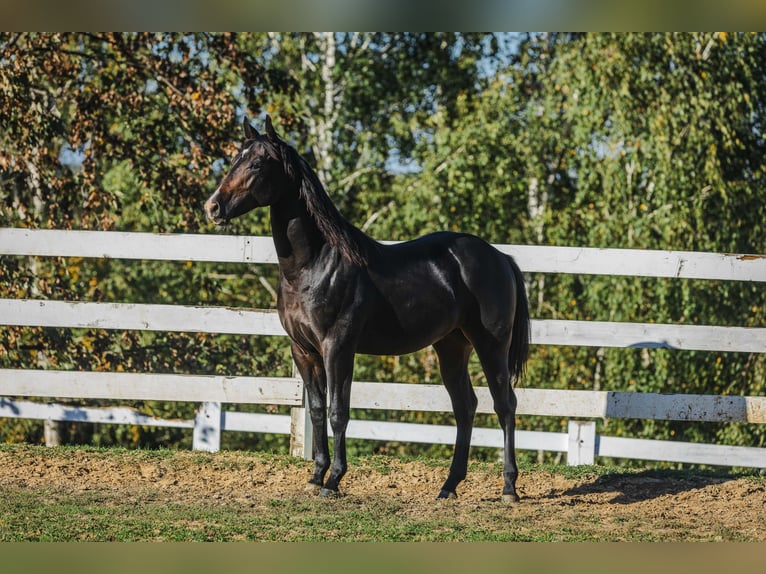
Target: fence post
<point x="207" y="427"/>
<point x="582" y="443"/>
<point x="301" y="439"/>
<point x="301" y="430"/>
<point x="52" y="432"/>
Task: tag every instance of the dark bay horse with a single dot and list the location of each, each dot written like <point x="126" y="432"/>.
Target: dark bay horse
<point x="341" y="293"/>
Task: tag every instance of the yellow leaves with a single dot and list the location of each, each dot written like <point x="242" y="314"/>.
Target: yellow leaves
<point x="87" y="342"/>
<point x="74" y="272"/>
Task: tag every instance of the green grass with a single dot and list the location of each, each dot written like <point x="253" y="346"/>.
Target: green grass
<point x="46" y="516"/>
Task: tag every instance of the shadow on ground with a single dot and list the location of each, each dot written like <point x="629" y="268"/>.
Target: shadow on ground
<point x="647" y="485"/>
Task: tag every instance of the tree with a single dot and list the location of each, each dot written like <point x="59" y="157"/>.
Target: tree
<point x="131" y="132"/>
<point x="617" y="140"/>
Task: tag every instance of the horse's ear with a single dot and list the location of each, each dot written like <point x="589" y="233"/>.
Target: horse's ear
<point x="270" y="133"/>
<point x="250" y="131"/>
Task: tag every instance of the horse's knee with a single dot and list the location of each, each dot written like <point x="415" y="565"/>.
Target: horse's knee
<point x="505" y="405"/>
<point x="339" y="420"/>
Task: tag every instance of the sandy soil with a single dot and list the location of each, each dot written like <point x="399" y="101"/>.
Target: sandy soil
<point x="620" y="505"/>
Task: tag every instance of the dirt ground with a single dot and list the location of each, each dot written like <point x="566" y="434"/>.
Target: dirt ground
<point x="707" y="506"/>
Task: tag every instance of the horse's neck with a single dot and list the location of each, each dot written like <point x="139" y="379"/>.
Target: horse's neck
<point x="296" y="237"/>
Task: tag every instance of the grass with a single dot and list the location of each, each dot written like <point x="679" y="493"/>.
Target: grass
<point x="46" y="516"/>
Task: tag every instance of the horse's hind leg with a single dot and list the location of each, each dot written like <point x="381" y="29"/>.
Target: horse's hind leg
<point x="494" y="361"/>
<point x="453" y="352"/>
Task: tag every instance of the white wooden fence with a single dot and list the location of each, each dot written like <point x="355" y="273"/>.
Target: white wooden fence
<point x="581" y="443"/>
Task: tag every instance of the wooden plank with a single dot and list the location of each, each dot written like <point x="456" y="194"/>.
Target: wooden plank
<point x="131" y="245"/>
<point x="434" y="398"/>
<point x="386" y="396"/>
<point x="569" y="403"/>
<point x="617" y="404"/>
<point x="683" y="407"/>
<point x="648" y="335"/>
<point x="400" y="397"/>
<point x="150" y="387"/>
<point x="87" y="315"/>
<point x="79" y="314"/>
<point x="10" y="408"/>
<point x="559" y="402"/>
<point x="256" y="422"/>
<point x="256" y="249"/>
<point x="443" y="434"/>
<point x="686" y="452"/>
<point x="638" y="262"/>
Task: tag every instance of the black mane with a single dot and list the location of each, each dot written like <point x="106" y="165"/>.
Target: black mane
<point x="353" y="244"/>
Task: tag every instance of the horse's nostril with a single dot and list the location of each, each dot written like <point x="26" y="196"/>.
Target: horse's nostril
<point x="213" y="208"/>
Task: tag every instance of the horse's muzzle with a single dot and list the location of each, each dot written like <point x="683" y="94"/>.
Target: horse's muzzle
<point x="213" y="211"/>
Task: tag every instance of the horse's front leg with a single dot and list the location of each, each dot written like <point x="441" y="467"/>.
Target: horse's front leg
<point x="339" y="365"/>
<point x="311" y="368"/>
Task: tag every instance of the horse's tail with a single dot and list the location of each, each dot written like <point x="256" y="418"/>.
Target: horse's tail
<point x="520" y="334"/>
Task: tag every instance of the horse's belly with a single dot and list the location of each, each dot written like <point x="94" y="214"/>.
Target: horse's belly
<point x="393" y="335"/>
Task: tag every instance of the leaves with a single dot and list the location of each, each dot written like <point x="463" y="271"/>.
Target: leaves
<point x="650" y="141"/>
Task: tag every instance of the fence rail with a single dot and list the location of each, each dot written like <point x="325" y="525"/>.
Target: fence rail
<point x="241" y="321"/>
<point x="250" y="249"/>
<point x="580" y="442"/>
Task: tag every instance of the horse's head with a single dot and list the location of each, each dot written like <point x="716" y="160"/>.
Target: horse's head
<point x="256" y="178"/>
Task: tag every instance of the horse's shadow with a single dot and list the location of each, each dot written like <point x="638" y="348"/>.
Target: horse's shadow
<point x="632" y="487"/>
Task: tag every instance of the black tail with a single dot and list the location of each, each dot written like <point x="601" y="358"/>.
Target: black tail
<point x="519" y="351"/>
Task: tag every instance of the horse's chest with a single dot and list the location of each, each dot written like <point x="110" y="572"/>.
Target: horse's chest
<point x="311" y="313"/>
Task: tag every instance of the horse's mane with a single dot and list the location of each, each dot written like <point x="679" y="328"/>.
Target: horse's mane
<point x="352" y="243"/>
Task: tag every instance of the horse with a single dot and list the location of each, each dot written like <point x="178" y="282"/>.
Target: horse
<point x="340" y="293"/>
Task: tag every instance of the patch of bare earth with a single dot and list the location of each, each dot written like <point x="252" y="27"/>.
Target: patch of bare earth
<point x="613" y="506"/>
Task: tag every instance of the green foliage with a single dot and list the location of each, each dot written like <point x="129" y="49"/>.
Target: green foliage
<point x="650" y="141"/>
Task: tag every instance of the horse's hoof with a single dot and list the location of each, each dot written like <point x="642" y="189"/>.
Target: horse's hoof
<point x="327" y="493"/>
<point x="446" y="495"/>
<point x="312" y="488"/>
<point x="511" y="499"/>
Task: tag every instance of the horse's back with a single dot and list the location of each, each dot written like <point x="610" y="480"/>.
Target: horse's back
<point x="423" y="289"/>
